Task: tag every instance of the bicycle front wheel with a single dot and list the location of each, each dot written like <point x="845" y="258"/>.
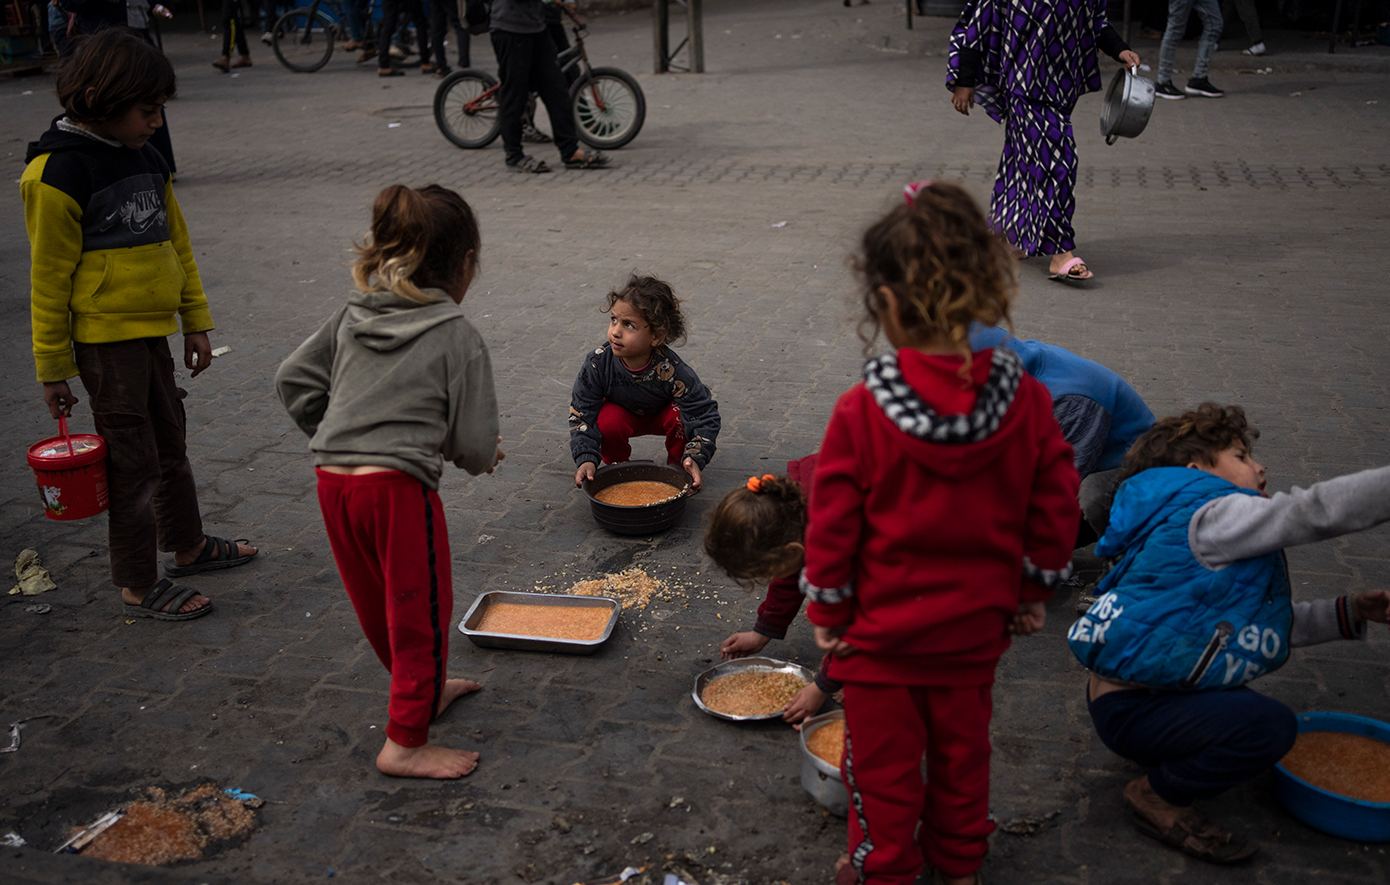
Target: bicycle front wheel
<point x="609" y="108"/>
<point x="303" y="41"/>
<point x="465" y="108"/>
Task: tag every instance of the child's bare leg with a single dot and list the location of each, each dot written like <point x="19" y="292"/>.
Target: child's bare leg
<point x="428" y="760"/>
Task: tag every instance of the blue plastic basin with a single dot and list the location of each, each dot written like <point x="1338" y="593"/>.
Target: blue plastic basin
<point x="1329" y="812"/>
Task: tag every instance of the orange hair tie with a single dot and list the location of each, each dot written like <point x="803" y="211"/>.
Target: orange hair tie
<point x="755" y="483"/>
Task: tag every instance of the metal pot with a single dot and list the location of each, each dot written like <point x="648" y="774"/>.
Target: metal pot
<point x="818" y="777"/>
<point x="639" y="520"/>
<point x="1129" y="101"/>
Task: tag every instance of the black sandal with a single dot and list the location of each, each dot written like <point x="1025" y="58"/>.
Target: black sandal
<point x="592" y="160"/>
<point x="217" y="553"/>
<point x="164" y="601"/>
<point x="528" y="164"/>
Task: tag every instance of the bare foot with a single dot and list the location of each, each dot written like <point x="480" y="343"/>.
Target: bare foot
<point x="194" y="602"/>
<point x="453" y="690"/>
<point x="425" y="761"/>
<point x="186" y="557"/>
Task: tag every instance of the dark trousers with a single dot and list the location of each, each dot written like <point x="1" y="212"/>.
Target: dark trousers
<point x="392" y="550"/>
<point x="1196" y="745"/>
<point x="138" y="411"/>
<point x="444" y="14"/>
<point x="233" y="28"/>
<point x="525" y="64"/>
<point x="391" y="12"/>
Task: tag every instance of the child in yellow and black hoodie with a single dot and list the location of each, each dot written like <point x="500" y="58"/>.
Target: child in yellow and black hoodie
<point x="111" y="266"/>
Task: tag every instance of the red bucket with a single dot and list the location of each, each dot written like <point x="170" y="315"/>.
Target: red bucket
<point x="71" y="471"/>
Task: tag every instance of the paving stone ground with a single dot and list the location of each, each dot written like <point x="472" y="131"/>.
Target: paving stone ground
<point x="1239" y="249"/>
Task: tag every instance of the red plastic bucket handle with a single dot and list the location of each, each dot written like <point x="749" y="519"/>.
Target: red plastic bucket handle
<point x="67" y="439"/>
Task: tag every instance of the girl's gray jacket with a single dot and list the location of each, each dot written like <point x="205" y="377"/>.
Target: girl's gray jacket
<point x="393" y="383"/>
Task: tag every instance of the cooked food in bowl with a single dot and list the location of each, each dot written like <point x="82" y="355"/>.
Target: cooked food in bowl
<point x="1349" y="765"/>
<point x="828" y="741"/>
<point x="585" y="623"/>
<point x="637" y="494"/>
<point x="751" y="693"/>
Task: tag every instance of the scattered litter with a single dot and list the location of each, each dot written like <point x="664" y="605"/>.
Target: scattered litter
<point x="642" y="839"/>
<point x="251" y="800"/>
<point x="630" y="587"/>
<point x="780" y="224"/>
<point x="1255" y="71"/>
<point x="42" y="608"/>
<point x="1027" y="826"/>
<point x="626" y="874"/>
<point x="221" y="351"/>
<point x="662" y="614"/>
<point x="676" y="801"/>
<point x="159" y="829"/>
<point x="12" y="840"/>
<point x="483" y="539"/>
<point x="27" y="92"/>
<point x="234" y="76"/>
<point x="33" y="577"/>
<point x="393" y="125"/>
<point x="14" y="731"/>
<point x="673" y="879"/>
<point x="1373" y="101"/>
<point x="1295" y="94"/>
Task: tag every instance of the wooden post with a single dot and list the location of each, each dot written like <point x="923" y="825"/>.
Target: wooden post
<point x="695" y="21"/>
<point x="661" y="41"/>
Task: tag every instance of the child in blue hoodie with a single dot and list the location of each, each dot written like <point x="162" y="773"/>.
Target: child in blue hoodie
<point x="1198" y="605"/>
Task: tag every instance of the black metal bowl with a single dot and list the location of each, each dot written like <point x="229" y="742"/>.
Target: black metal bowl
<point x="643" y="518"/>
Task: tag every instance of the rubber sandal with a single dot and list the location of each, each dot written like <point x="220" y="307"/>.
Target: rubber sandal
<point x="1065" y="275"/>
<point x="592" y="160"/>
<point x="528" y="164"/>
<point x="1213" y="843"/>
<point x="394" y="72"/>
<point x="217" y="553"/>
<point x="164" y="601"/>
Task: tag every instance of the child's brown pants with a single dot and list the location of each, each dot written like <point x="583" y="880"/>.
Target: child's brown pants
<point x="154" y="504"/>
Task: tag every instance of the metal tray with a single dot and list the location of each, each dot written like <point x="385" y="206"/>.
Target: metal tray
<point x="537" y="643"/>
<point x="740" y="665"/>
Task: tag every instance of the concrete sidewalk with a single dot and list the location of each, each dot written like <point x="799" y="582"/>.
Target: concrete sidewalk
<point x="1237" y="246"/>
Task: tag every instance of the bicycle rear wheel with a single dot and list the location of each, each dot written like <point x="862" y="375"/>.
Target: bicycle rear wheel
<point x="302" y="41"/>
<point x="462" y="112"/>
<point x="609" y="108"/>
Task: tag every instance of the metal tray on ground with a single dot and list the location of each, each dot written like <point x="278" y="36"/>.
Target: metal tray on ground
<point x="742" y="665"/>
<point x="519" y="642"/>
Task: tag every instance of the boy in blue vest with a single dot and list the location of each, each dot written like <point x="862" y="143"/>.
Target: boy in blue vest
<point x="1198" y="605"/>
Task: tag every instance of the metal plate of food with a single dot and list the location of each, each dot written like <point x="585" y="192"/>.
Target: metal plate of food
<point x="754" y="665"/>
<point x="553" y="622"/>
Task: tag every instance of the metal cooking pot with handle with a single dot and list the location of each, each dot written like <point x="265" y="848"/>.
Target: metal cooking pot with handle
<point x="1129" y="100"/>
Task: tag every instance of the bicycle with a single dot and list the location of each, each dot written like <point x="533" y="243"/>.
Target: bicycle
<point x="303" y="38"/>
<point x="608" y="105"/>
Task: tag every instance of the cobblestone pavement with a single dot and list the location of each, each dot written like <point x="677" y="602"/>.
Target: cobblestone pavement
<point x="1238" y="249"/>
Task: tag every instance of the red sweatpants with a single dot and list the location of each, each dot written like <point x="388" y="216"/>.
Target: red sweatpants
<point x="389" y="541"/>
<point x="617" y="426"/>
<point x="887" y="729"/>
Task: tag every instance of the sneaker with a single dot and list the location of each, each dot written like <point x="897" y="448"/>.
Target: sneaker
<point x="1166" y="89"/>
<point x="1202" y="86"/>
<point x="396" y="52"/>
<point x="532" y="134"/>
<point x="1257" y="49"/>
<point x="267" y="39"/>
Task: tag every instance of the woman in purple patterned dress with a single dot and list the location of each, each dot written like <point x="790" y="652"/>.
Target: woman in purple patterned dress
<point x="1026" y="62"/>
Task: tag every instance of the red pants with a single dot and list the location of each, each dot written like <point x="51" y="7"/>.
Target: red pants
<point x="887" y="729"/>
<point x="617" y="425"/>
<point x="389" y="541"/>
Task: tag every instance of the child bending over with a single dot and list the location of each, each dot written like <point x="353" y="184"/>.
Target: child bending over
<point x="635" y="385"/>
<point x="111" y="268"/>
<point x="758" y="533"/>
<point x="1199" y="605"/>
<point x="396" y="382"/>
<point x="942" y="515"/>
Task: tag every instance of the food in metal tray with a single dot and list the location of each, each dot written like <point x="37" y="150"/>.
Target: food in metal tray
<point x="828" y="741"/>
<point x="751" y="693"/>
<point x="582" y="623"/>
<point x="637" y="494"/>
<point x="1346" y="764"/>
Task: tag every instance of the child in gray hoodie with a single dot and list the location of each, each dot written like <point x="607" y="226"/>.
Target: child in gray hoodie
<point x="395" y="382"/>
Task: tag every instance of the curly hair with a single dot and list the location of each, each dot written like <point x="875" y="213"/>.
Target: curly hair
<point x="421" y="239"/>
<point x="1199" y="435"/>
<point x="656" y="301"/>
<point x="750" y="532"/>
<point x="945" y="265"/>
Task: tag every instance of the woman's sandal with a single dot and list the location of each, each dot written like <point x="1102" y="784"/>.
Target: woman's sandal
<point x="1074" y="271"/>
<point x="217" y="553"/>
<point x="590" y="160"/>
<point x="1197" y="837"/>
<point x="164" y="601"/>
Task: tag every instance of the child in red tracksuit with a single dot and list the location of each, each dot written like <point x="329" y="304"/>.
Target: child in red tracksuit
<point x="758" y="532"/>
<point x="394" y="383"/>
<point x="942" y="515"/>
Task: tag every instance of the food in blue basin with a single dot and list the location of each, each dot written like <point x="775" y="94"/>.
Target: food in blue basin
<point x="1356" y="819"/>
